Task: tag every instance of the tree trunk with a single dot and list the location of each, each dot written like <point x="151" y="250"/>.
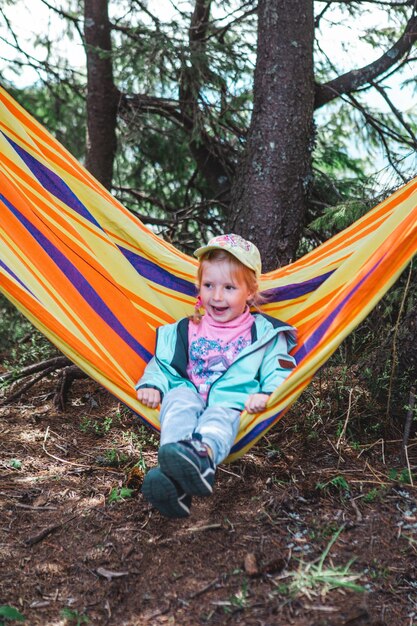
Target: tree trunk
<point x="101" y="92"/>
<point x="205" y="149"/>
<point x="269" y="194"/>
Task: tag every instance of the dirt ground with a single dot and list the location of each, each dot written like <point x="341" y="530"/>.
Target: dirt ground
<point x="310" y="528"/>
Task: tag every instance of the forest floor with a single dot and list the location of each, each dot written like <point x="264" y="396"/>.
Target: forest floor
<point x="310" y="528"/>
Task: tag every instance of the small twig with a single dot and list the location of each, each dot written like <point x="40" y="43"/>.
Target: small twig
<point x="200" y="592"/>
<point x="357" y="510"/>
<point x="340" y="459"/>
<point x="196" y="529"/>
<point x="382" y="442"/>
<point x="408" y="420"/>
<point x="158" y="613"/>
<point x="57" y="458"/>
<point x="373" y="472"/>
<point x="35" y="508"/>
<point x="343" y="433"/>
<point x="47" y="531"/>
<point x="394" y="342"/>
<point x="89" y="467"/>
<point x="223" y="469"/>
<point x="408" y="467"/>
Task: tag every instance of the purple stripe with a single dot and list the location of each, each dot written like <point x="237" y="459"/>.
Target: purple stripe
<point x="255" y="431"/>
<point x="53" y="183"/>
<point x="9" y="271"/>
<point x="311" y="342"/>
<point x="158" y="275"/>
<point x="82" y="286"/>
<point x="291" y="292"/>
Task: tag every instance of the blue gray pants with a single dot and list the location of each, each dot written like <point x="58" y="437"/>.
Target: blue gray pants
<point x="184" y="412"/>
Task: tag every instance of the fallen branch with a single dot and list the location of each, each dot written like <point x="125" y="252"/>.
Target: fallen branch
<point x="56" y="362"/>
<point x="31" y="541"/>
<point x="70" y="372"/>
<point x="17" y="394"/>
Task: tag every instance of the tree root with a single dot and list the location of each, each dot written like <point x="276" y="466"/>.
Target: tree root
<point x="40" y="370"/>
<point x="68" y="375"/>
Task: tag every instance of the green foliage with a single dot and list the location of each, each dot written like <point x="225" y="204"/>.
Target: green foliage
<point x="74" y="617"/>
<point x="157" y="151"/>
<point x="324" y="530"/>
<point x="61" y="108"/>
<point x="337" y="484"/>
<point x="401" y="476"/>
<point x="144" y="436"/>
<point x="15" y="464"/>
<point x="373" y="495"/>
<point x="22" y="343"/>
<point x="317" y="579"/>
<point x="9" y="613"/>
<point x="377" y="571"/>
<point x="13" y="326"/>
<point x="100" y="427"/>
<point x="115" y="457"/>
<point x="239" y="600"/>
<point x="119" y="494"/>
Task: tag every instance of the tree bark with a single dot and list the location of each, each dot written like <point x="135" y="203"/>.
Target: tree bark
<point x="101" y="92"/>
<point x="269" y="194"/>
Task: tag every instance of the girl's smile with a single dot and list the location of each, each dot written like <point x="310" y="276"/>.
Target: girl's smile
<point x="223" y="295"/>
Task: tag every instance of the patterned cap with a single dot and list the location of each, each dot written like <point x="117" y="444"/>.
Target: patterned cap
<point x="245" y="251"/>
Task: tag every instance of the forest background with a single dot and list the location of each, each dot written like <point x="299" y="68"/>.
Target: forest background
<point x="282" y="121"/>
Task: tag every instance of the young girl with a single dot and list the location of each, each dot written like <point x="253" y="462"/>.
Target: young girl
<point x="207" y="369"/>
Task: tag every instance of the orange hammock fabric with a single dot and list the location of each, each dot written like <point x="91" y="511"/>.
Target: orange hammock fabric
<point x="98" y="283"/>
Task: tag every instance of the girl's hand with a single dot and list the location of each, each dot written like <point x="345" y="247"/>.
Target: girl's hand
<point x="149" y="397"/>
<point x="256" y="402"/>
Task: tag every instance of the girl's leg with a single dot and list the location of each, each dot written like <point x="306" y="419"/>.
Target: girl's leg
<point x="218" y="427"/>
<point x="189" y="463"/>
<point x="180" y="409"/>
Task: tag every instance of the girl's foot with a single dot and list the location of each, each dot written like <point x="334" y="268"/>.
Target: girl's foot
<point x="165" y="495"/>
<point x="189" y="464"/>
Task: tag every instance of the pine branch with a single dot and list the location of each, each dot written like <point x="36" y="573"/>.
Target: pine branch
<point x="398" y="114"/>
<point x="77" y="21"/>
<point x="383" y="134"/>
<point x="351" y="81"/>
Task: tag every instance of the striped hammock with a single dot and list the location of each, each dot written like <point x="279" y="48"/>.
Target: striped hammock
<point x="97" y="282"/>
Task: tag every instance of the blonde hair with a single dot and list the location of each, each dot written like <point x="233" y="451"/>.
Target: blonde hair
<point x="239" y="271"/>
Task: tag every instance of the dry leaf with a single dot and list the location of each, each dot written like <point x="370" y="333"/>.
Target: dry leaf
<point x="251" y="565"/>
<point x="106" y="573"/>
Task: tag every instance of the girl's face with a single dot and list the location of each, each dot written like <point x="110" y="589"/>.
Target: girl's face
<point x="223" y="294"/>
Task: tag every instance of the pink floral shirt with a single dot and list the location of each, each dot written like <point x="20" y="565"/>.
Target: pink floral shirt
<point x="212" y="347"/>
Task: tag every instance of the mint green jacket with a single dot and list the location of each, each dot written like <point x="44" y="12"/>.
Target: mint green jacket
<point x="259" y="368"/>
